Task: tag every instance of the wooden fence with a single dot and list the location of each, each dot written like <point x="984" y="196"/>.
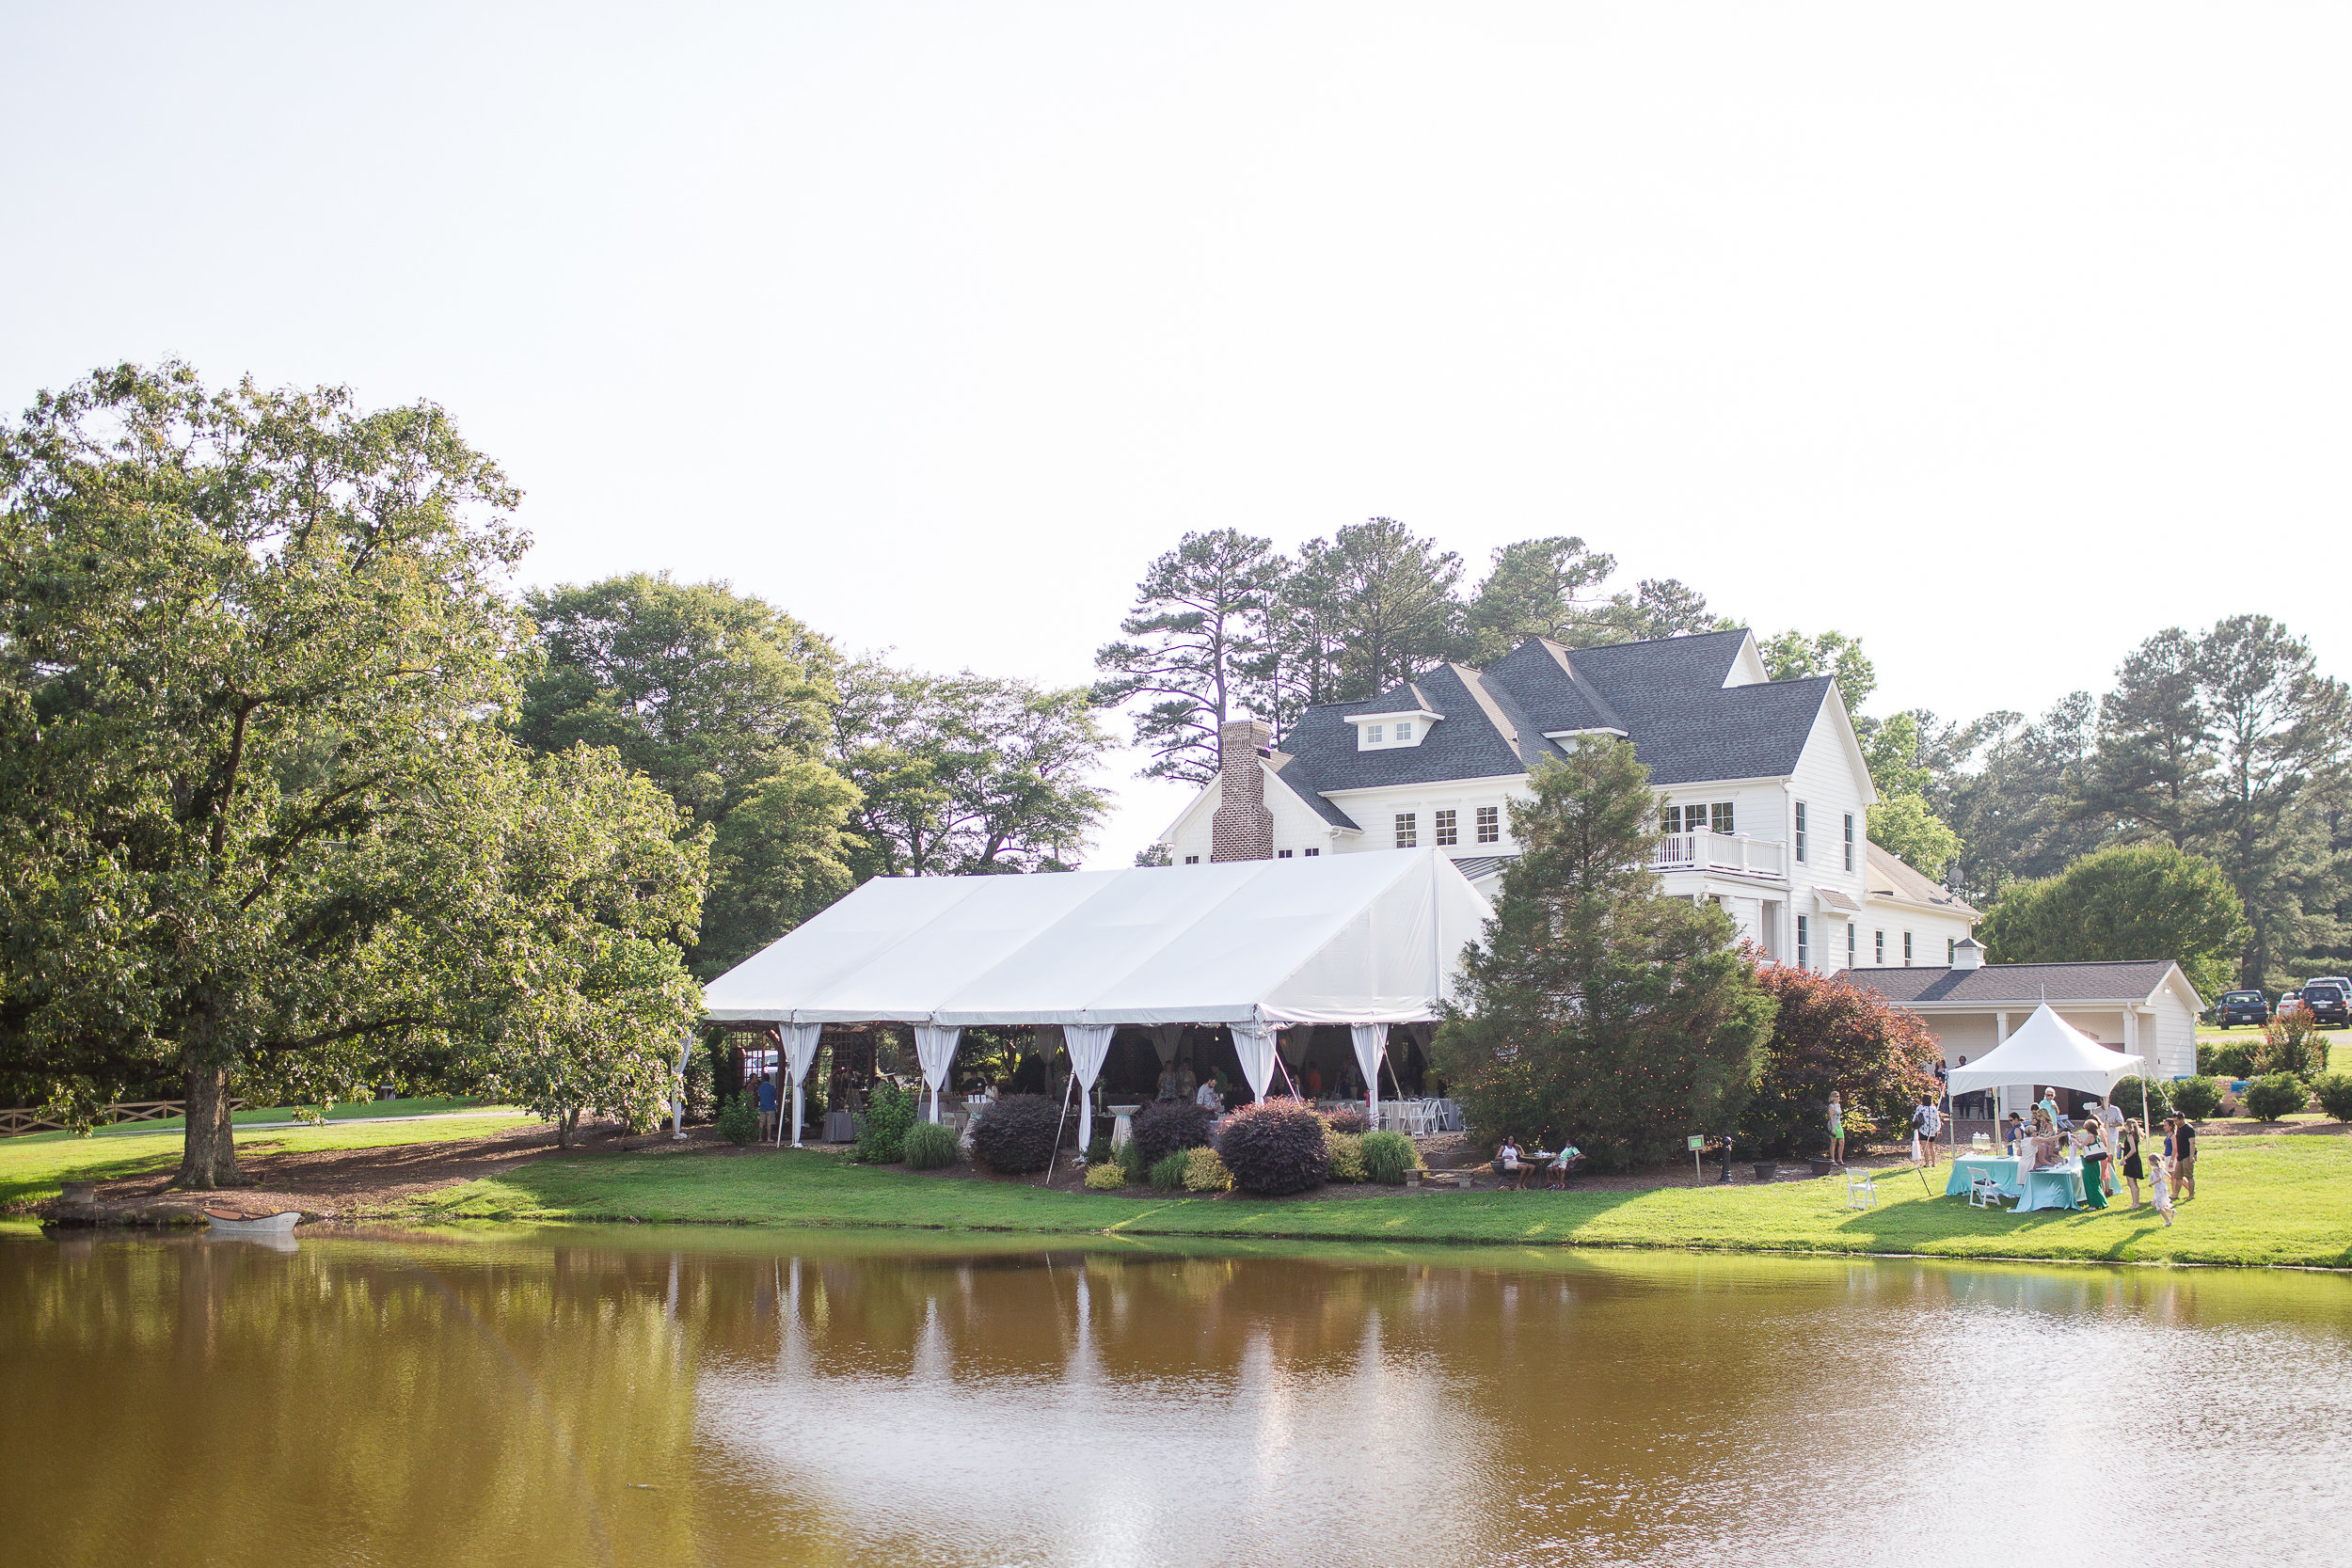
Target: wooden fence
<point x="15" y="1123"/>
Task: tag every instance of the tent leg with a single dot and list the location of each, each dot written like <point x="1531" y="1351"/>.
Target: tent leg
<point x="1057" y="1126"/>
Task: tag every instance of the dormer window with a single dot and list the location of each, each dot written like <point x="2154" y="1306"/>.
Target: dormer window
<point x="1380" y="731"/>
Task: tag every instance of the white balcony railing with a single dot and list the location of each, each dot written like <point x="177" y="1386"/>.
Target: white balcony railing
<point x="1712" y="852"/>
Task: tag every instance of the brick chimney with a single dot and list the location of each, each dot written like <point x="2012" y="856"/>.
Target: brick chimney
<point x="1243" y="829"/>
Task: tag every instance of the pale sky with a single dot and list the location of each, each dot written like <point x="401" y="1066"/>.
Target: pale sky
<point x="2001" y="336"/>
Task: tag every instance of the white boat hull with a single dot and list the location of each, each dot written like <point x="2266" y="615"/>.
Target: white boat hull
<point x="265" y="1224"/>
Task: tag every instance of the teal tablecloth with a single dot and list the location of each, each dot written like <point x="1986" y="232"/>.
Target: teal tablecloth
<point x="2003" y="1169"/>
<point x="2059" y="1188"/>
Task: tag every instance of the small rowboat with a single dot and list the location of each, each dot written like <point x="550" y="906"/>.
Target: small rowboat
<point x="256" y="1225"/>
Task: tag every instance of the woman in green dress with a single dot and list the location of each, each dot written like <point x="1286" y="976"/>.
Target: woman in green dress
<point x="2093" y="1145"/>
<point x="1836" y="1130"/>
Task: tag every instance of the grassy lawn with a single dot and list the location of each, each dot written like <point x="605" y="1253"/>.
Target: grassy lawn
<point x="2338" y="1043"/>
<point x="2266" y="1200"/>
<point x="32" y="1168"/>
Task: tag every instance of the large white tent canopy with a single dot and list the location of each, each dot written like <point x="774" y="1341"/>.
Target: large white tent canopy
<point x="1371" y="937"/>
<point x="2048" y="1049"/>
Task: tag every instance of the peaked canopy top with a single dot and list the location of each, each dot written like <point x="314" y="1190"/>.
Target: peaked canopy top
<point x="2048" y="1049"/>
<point x="1368" y="938"/>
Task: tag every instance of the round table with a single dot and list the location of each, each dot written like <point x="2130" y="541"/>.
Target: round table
<point x="1122" y="1129"/>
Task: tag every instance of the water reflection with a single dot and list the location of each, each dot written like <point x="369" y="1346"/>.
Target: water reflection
<point x="642" y="1398"/>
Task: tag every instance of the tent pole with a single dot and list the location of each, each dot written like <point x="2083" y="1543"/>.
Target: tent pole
<point x="1055" y="1153"/>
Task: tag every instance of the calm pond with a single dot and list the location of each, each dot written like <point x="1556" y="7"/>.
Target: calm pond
<point x="648" y="1397"/>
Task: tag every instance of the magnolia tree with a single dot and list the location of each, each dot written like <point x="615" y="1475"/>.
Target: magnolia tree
<point x="1594" y="1008"/>
<point x="263" y="828"/>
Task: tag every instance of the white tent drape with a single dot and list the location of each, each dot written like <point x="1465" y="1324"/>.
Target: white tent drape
<point x="935" y="1049"/>
<point x="1293" y="1045"/>
<point x="1371" y="1040"/>
<point x="1166" y="1038"/>
<point x="1254" y="1044"/>
<point x="1088" y="1044"/>
<point x="799" y="1049"/>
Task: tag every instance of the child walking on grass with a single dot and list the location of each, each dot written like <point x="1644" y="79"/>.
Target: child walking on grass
<point x="2160" y="1187"/>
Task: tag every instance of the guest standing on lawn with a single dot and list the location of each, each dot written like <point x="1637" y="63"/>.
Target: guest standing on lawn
<point x="1836" y="1130"/>
<point x="2091" y="1140"/>
<point x="2159" y="1191"/>
<point x="1927" y="1121"/>
<point x="2111" y="1121"/>
<point x="2127" y="1145"/>
<point x="2182" y="1147"/>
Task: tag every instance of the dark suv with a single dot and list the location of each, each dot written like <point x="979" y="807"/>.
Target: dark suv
<point x="2244" y="1006"/>
<point x="2327" y="1005"/>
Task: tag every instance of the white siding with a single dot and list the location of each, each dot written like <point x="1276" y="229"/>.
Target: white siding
<point x="1829" y="780"/>
<point x="2175" y="1030"/>
<point x="1375" y="812"/>
<point x="1930" y="934"/>
<point x="1297" y="827"/>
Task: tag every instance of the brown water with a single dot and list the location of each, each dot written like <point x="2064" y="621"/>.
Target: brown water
<point x="652" y="1397"/>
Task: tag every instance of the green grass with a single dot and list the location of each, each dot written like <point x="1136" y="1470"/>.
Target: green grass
<point x="2267" y="1200"/>
<point x="32" y="1168"/>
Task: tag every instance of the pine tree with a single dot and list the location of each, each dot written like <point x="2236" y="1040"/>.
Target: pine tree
<point x="1596" y="1008"/>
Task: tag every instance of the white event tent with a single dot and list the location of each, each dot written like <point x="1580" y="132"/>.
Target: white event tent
<point x="2046" y="1049"/>
<point x="1368" y="940"/>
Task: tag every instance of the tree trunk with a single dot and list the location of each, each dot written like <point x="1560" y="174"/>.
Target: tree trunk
<point x="208" y="1159"/>
<point x="567" y="1123"/>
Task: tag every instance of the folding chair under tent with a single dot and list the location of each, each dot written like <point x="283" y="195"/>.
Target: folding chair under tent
<point x="2046" y="1049"/>
<point x="1361" y="939"/>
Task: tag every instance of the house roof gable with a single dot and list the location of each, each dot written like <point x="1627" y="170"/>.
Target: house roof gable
<point x="2021" y="985"/>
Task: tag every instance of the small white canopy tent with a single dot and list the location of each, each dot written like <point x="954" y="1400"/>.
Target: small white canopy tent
<point x="2048" y="1049"/>
<point x="1371" y="937"/>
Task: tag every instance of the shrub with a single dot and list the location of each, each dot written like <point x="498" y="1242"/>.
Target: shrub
<point x="2160" y="1104"/>
<point x="1390" y="1157"/>
<point x="1130" y="1161"/>
<point x="889" y="1111"/>
<point x="1346" y="1119"/>
<point x="2335" y="1095"/>
<point x="1347" y="1156"/>
<point x="1275" y="1146"/>
<point x="1105" y="1178"/>
<point x="738" y="1120"/>
<point x="1205" y="1173"/>
<point x="2228" y="1059"/>
<point x="2196" y="1098"/>
<point x="2291" y="1043"/>
<point x="1168" y="1125"/>
<point x="2275" y="1096"/>
<point x="1016" y="1136"/>
<point x="1829" y="1036"/>
<point x="1167" y="1174"/>
<point x="928" y="1145"/>
<point x="1099" y="1151"/>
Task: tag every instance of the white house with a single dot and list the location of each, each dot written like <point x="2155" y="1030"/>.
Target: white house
<point x="2145" y="1009"/>
<point x="1766" y="791"/>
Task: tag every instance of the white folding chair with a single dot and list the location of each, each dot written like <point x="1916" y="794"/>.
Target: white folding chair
<point x="1861" y="1192"/>
<point x="1984" y="1191"/>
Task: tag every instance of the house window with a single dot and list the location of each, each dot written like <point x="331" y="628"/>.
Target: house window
<point x="1192" y="860"/>
<point x="1489" y="824"/>
<point x="1313" y="853"/>
<point x="1282" y="854"/>
<point x="1800" y="830"/>
<point x="1850" y="841"/>
<point x="1906" y="949"/>
<point x="1721" y="811"/>
<point x="1951" y="950"/>
<point x="1444" y="824"/>
<point x="1850" y="936"/>
<point x="1404" y="730"/>
<point x="1408" y="830"/>
<point x="1878" y="948"/>
<point x="1371" y="734"/>
<point x="1805" y="949"/>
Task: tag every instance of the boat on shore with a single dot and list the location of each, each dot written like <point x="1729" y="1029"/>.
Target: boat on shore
<point x="254" y="1225"/>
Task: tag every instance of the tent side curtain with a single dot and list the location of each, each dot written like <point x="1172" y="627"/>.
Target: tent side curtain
<point x="1370" y="937"/>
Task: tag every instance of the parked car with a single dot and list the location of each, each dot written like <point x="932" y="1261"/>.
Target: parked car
<point x="2328" y="1003"/>
<point x="2289" y="1001"/>
<point x="2242" y="1007"/>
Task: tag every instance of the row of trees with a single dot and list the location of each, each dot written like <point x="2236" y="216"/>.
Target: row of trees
<point x="293" y="795"/>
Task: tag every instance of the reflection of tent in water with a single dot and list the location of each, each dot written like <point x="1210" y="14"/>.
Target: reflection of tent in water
<point x="1365" y="941"/>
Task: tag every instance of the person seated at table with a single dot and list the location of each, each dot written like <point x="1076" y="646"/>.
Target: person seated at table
<point x="1564" y="1165"/>
<point x="1208" y="1099"/>
<point x="1507" y="1159"/>
<point x="2047" y="1154"/>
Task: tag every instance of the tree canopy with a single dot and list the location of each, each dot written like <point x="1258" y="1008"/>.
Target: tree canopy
<point x="1593" y="1007"/>
<point x="1196" y="650"/>
<point x="261" y="826"/>
<point x="1831" y="1036"/>
<point x="2126" y="902"/>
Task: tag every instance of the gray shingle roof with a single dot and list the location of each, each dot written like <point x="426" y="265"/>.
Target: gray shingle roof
<point x="1668" y="695"/>
<point x="1890" y="876"/>
<point x="2018" y="985"/>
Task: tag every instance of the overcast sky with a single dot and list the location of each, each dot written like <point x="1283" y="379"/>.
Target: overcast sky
<point x="2001" y="336"/>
